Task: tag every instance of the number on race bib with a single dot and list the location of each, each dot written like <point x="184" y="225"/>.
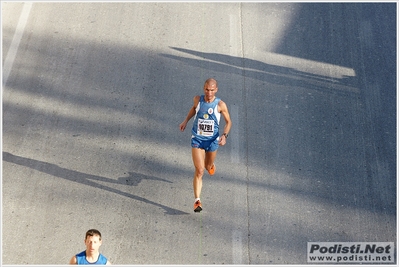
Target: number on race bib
<point x="205" y="127"/>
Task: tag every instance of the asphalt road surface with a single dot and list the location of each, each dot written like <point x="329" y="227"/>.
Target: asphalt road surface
<point x="93" y="95"/>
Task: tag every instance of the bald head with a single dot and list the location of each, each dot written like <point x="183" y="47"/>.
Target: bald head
<point x="211" y="81"/>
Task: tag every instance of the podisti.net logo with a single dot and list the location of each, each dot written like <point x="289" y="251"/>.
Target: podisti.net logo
<point x="351" y="252"/>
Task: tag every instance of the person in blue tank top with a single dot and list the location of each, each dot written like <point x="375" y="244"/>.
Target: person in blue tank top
<point x="91" y="255"/>
<point x="205" y="135"/>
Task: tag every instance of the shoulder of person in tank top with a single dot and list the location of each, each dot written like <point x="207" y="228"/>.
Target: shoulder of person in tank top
<point x="197" y="99"/>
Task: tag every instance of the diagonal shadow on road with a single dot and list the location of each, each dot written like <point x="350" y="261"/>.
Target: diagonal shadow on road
<point x="87" y="179"/>
<point x="267" y="72"/>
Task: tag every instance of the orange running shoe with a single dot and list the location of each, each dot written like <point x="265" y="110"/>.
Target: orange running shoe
<point x="212" y="170"/>
<point x="197" y="206"/>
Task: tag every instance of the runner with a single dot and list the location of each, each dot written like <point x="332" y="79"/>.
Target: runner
<point x="91" y="255"/>
<point x="205" y="139"/>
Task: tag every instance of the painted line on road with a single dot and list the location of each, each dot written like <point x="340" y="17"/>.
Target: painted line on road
<point x="234" y="34"/>
<point x="235" y="48"/>
<point x="19" y="31"/>
<point x="235" y="136"/>
<point x="236" y="51"/>
<point x="237" y="247"/>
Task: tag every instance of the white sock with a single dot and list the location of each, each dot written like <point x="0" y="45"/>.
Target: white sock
<point x="195" y="200"/>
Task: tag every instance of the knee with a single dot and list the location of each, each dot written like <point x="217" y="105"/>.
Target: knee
<point x="199" y="172"/>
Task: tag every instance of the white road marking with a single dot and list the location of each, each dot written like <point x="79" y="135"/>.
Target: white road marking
<point x="237" y="247"/>
<point x="19" y="31"/>
<point x="235" y="38"/>
<point x="235" y="51"/>
<point x="234" y="137"/>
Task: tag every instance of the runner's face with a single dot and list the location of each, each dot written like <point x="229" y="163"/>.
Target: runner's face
<point x="210" y="90"/>
<point x="93" y="243"/>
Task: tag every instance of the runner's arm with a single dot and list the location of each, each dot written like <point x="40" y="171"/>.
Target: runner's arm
<point x="73" y="260"/>
<point x="190" y="114"/>
<point x="226" y="115"/>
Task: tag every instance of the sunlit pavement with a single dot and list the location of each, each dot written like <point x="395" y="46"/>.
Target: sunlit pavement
<point x="93" y="94"/>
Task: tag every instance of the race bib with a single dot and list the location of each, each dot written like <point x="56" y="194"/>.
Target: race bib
<point x="205" y="127"/>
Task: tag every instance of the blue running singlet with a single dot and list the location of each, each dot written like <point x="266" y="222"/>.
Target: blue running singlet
<point x="81" y="259"/>
<point x="206" y="121"/>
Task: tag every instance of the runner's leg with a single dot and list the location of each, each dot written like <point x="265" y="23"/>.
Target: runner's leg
<point x="210" y="159"/>
<point x="199" y="164"/>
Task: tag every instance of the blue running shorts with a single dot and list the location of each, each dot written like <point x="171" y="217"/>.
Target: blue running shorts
<point x="209" y="146"/>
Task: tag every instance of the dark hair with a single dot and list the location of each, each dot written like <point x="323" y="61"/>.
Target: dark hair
<point x="93" y="232"/>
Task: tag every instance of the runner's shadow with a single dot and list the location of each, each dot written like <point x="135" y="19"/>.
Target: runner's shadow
<point x="88" y="179"/>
